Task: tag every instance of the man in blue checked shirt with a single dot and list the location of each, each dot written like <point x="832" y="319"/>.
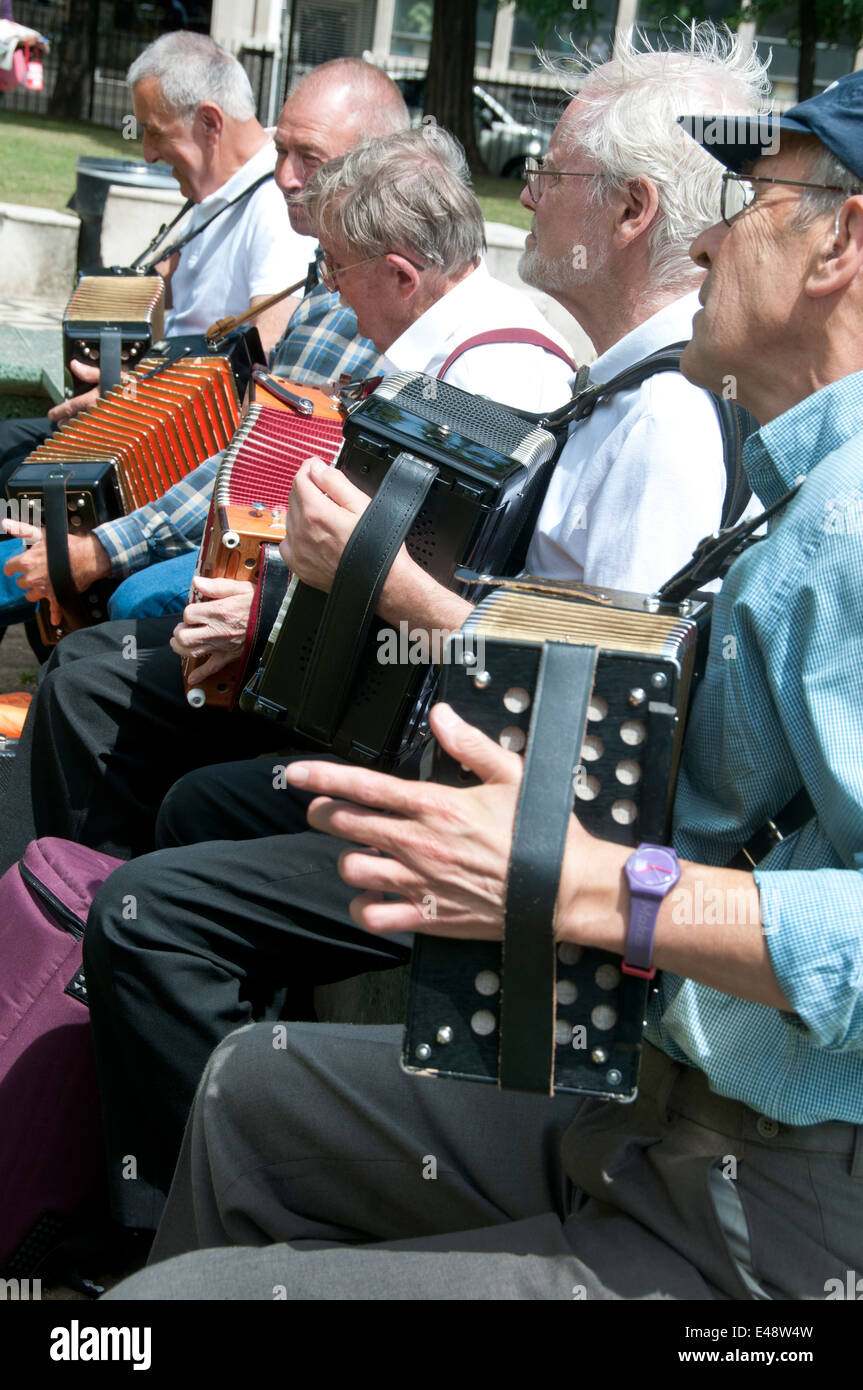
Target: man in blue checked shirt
<point x="738" y="1171"/>
<point x="331" y="110"/>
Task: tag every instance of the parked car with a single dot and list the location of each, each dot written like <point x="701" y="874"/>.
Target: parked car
<point x="503" y="141"/>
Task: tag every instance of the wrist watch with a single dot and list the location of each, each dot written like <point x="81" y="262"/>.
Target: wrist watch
<point x="652" y="871"/>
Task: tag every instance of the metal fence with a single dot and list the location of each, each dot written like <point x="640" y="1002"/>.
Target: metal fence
<point x="104" y="96"/>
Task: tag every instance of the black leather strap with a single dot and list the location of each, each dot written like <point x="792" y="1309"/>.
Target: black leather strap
<point x="713" y="557"/>
<point x="557" y="726"/>
<point x="351" y="602"/>
<point x="110" y="358"/>
<point x="57" y="540"/>
<point x="794" y="813"/>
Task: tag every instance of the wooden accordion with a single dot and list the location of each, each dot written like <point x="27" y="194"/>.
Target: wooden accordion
<point x="250" y="498"/>
<point x="454" y="476"/>
<point x="126" y="450"/>
<point x="533" y="1015"/>
<point x="113" y="310"/>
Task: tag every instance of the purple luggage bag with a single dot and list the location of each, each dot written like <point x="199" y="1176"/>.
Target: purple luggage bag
<point x="50" y="1133"/>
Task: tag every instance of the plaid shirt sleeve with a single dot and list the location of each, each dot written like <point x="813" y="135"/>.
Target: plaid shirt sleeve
<point x="172" y="525"/>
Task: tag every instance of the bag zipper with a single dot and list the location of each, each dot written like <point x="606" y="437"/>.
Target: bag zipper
<point x="67" y="917"/>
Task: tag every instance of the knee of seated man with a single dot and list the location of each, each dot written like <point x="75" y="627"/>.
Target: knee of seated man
<point x="119" y="921"/>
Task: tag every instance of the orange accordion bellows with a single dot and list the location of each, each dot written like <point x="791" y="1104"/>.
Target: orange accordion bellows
<point x="154" y="429"/>
<point x="250" y="500"/>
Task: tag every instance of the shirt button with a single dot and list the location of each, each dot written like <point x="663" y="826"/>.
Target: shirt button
<point x="767" y="1128"/>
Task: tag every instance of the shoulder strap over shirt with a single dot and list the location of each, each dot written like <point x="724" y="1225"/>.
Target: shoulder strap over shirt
<point x="196" y="231"/>
<point x="735" y="423"/>
<point x="507" y="335"/>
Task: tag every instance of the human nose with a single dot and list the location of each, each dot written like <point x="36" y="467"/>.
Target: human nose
<point x="290" y="173"/>
<point x="526" y="200"/>
<point x="705" y="246"/>
<point x="148" y="149"/>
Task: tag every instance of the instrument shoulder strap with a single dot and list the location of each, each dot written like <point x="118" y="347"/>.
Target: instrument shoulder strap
<point x="507" y="335"/>
<point x="735" y="425"/>
<point x="196" y="231"/>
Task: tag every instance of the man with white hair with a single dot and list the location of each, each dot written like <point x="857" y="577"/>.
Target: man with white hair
<point x="257" y="904"/>
<point x="616" y="203"/>
<point x="736" y="1171"/>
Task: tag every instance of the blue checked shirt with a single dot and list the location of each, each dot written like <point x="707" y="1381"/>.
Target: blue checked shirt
<point x="781" y="704"/>
<point x="321" y="343"/>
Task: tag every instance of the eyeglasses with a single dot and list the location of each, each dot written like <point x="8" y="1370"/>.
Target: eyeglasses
<point x="535" y="171"/>
<point x="330" y="273"/>
<point x="739" y="192"/>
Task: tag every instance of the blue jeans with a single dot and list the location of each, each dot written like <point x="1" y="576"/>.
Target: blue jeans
<point x="14" y="607"/>
<point x="160" y="588"/>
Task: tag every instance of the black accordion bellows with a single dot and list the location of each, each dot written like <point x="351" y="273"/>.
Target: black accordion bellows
<point x="453" y="475"/>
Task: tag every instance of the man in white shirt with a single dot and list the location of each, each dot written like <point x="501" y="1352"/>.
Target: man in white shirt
<point x="195" y="110"/>
<point x="616" y="203"/>
<point x="242" y="891"/>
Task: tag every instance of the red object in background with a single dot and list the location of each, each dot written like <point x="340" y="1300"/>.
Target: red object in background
<point x="34" y="80"/>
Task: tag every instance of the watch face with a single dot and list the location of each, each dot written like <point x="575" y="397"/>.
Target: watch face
<point x="651" y="867"/>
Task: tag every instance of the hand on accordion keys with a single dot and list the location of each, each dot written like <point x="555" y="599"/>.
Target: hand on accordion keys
<point x="88" y="561"/>
<point x="444" y="849"/>
<point x="84" y="371"/>
<point x="215" y="625"/>
<point x="325" y="507"/>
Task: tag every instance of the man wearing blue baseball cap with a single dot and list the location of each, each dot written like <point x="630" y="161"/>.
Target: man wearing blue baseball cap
<point x="738" y="1170"/>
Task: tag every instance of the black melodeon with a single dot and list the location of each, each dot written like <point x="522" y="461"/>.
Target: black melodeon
<point x="112" y="320"/>
<point x="594" y="686"/>
<point x="455" y="476"/>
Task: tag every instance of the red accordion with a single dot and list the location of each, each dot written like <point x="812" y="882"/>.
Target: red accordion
<point x="250" y="499"/>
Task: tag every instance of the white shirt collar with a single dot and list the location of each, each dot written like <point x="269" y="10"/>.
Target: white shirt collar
<point x="673" y="324"/>
<point x="438" y="326"/>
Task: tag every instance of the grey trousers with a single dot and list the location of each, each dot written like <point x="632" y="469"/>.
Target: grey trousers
<point x="331" y="1174"/>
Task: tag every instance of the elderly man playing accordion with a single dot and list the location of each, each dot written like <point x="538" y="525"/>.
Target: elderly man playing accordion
<point x="243" y="926"/>
<point x="753" y="1049"/>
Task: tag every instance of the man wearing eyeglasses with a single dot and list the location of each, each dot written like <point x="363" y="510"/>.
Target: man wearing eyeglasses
<point x="737" y="1171"/>
<point x="615" y="205"/>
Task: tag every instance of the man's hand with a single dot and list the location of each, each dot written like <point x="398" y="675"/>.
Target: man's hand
<point x="67" y="410"/>
<point x="324" y="509"/>
<point x="215" y="627"/>
<point x="88" y="561"/>
<point x="449" y="847"/>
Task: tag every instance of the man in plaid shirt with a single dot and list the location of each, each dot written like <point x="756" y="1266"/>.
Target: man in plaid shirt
<point x="333" y="108"/>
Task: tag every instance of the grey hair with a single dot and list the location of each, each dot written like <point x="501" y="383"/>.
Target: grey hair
<point x="192" y="69"/>
<point x="824" y="168"/>
<point x="629" y="129"/>
<point x="407" y="191"/>
<point x="379" y="107"/>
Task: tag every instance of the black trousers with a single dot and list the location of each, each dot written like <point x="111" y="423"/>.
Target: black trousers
<point x="18" y="438"/>
<point x="236" y="923"/>
<point x="109" y="732"/>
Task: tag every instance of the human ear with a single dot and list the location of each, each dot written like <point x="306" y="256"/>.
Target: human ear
<point x="837" y="254"/>
<point x="635" y="207"/>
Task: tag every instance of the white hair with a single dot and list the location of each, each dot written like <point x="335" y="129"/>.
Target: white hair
<point x="824" y="167"/>
<point x="192" y="69"/>
<point x="401" y="192"/>
<point x="628" y="127"/>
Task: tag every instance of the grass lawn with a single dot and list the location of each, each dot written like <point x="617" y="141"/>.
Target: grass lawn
<point x="37" y="157"/>
<point x="37" y="165"/>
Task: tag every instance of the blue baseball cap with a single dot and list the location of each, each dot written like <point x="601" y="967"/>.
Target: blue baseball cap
<point x="834" y="116"/>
